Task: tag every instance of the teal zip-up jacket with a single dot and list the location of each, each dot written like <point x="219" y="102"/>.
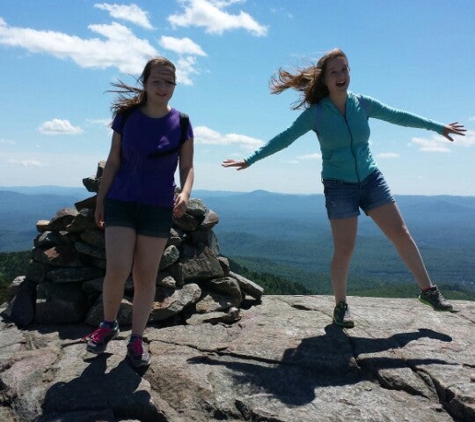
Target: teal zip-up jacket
<point x="344" y="141"/>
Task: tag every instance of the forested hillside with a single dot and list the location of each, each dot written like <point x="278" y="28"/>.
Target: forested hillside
<point x="12" y="264"/>
<point x="19" y="213"/>
<point x="289" y="235"/>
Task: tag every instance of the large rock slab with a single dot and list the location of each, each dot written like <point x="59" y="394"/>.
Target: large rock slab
<point x="283" y="361"/>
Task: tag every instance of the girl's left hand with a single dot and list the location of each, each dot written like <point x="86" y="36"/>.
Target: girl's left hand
<point x="454" y="128"/>
<point x="180" y="206"/>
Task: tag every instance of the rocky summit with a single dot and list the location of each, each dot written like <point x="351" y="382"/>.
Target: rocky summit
<point x="283" y="361"/>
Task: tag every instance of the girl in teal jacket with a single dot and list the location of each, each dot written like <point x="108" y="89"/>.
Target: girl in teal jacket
<point x="350" y="176"/>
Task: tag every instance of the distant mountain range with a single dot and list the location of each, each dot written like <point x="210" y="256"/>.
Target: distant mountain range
<point x="286" y="233"/>
<point x="447" y="219"/>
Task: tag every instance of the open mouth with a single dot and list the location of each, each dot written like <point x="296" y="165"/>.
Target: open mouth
<point x="340" y="84"/>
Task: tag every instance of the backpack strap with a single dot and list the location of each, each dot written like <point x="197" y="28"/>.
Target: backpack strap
<point x="184" y="123"/>
<point x="125" y="115"/>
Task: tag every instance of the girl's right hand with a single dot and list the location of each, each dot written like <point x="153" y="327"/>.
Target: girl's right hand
<point x="99" y="215"/>
<point x="239" y="164"/>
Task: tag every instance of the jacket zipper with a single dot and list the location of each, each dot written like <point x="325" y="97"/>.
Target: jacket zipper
<point x="352" y="150"/>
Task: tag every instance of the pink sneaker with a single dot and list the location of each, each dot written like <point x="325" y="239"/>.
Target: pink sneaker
<point x="136" y="353"/>
<point x="98" y="339"/>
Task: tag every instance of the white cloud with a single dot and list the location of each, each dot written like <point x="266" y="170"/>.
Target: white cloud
<point x="7" y="142"/>
<point x="28" y="168"/>
<point x="290" y="162"/>
<point x="281" y="11"/>
<point x="436" y="144"/>
<point x="101" y="122"/>
<point x="306" y="157"/>
<point x="28" y="163"/>
<point x="441" y="144"/>
<point x="120" y="48"/>
<point x="210" y="14"/>
<point x="59" y="127"/>
<point x="185" y="68"/>
<point x="181" y="46"/>
<point x="388" y="155"/>
<point x="131" y="13"/>
<point x="466" y="141"/>
<point x="205" y="135"/>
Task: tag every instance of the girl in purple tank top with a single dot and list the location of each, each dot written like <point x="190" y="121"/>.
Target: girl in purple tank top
<point x="136" y="200"/>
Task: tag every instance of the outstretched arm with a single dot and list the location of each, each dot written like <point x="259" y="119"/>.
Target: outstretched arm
<point x="454" y="129"/>
<point x="304" y="123"/>
<point x="381" y="111"/>
<point x="239" y="164"/>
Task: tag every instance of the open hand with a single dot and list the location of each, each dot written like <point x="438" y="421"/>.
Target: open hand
<point x="180" y="205"/>
<point x="454" y="128"/>
<point x="239" y="164"/>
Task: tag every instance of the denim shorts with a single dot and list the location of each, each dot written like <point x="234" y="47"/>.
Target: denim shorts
<point x="344" y="200"/>
<point x="146" y="220"/>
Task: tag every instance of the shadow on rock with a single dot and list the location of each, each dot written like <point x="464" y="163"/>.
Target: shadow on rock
<point x="322" y="361"/>
<point x="396" y="341"/>
<point x="99" y="391"/>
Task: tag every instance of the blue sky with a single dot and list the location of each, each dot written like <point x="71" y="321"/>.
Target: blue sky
<point x="58" y="58"/>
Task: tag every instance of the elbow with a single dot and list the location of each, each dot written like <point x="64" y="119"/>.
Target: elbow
<point x="186" y="173"/>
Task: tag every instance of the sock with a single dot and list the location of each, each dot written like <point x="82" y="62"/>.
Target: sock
<point x="135" y="336"/>
<point x="109" y="324"/>
<point x="428" y="289"/>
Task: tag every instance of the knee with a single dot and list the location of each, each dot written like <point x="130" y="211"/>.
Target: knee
<point x="117" y="275"/>
<point x="399" y="233"/>
<point x="144" y="281"/>
<point x="144" y="289"/>
<point x="343" y="253"/>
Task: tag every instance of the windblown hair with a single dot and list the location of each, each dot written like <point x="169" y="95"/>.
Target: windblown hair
<point x="130" y="97"/>
<point x="308" y="81"/>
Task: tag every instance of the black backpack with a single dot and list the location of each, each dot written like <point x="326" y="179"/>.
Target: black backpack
<point x="184" y="123"/>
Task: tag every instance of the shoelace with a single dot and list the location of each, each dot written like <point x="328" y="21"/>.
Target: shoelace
<point x="343" y="306"/>
<point x="435" y="293"/>
<point x="97" y="335"/>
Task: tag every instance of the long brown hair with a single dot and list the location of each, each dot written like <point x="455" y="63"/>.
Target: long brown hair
<point x="126" y="99"/>
<point x="308" y="81"/>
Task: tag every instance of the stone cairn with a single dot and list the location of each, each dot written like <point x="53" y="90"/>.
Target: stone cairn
<point x="63" y="281"/>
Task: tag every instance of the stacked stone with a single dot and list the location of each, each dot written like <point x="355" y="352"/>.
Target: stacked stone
<point x="63" y="282"/>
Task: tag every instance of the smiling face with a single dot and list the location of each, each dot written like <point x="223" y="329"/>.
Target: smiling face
<point x="160" y="84"/>
<point x="337" y="75"/>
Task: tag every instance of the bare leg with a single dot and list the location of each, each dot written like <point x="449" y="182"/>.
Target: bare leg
<point x="148" y="253"/>
<point x="344" y="237"/>
<point x="390" y="221"/>
<point x="120" y="245"/>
